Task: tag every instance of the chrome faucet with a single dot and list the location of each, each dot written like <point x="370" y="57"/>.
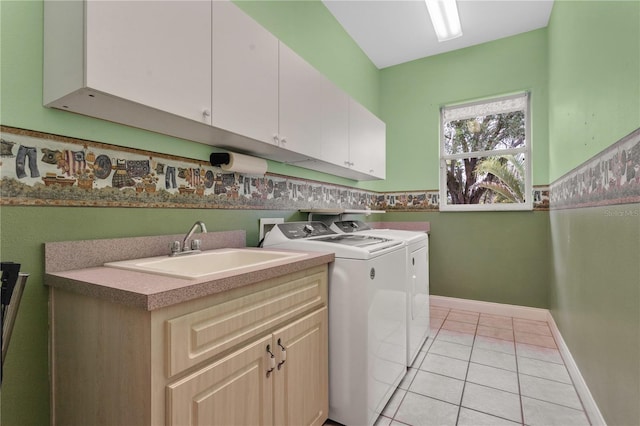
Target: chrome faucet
<point x="194" y="247"/>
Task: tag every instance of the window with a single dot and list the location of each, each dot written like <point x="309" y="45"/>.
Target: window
<point x="485" y="161"/>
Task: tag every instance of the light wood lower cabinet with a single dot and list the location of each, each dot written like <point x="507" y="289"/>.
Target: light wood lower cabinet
<point x="258" y="384"/>
<point x="257" y="355"/>
<point x="301" y="383"/>
<point x="232" y="391"/>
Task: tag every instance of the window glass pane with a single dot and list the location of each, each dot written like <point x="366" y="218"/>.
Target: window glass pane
<point x="498" y="179"/>
<point x="485" y="133"/>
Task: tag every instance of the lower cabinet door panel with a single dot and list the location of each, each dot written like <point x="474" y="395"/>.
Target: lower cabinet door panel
<point x="232" y="391"/>
<point x="301" y="387"/>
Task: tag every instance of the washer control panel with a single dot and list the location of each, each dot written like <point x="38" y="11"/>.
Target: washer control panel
<point x="297" y="230"/>
<point x="352" y="225"/>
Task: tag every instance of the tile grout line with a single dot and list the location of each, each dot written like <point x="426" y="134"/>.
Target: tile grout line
<point x="466" y="375"/>
<point x="393" y="416"/>
<point x="545" y="378"/>
<point x="515" y="352"/>
<point x="559" y="405"/>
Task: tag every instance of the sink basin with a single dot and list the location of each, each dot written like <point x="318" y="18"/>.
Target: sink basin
<point x="211" y="262"/>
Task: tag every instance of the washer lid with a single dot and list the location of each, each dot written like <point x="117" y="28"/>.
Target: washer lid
<point x="353" y="240"/>
<point x="357" y="226"/>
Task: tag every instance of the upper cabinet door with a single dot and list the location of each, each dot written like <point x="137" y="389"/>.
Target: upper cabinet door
<point x="156" y="53"/>
<point x="335" y="125"/>
<point x="245" y="74"/>
<point x="367" y="141"/>
<point x="300" y="103"/>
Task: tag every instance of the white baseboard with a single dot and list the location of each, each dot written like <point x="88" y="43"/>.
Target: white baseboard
<point x="589" y="404"/>
<point x="535" y="314"/>
<point x="524" y="312"/>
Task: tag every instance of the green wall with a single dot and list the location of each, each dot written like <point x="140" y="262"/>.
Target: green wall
<point x="494" y="257"/>
<point x="595" y="301"/>
<point x="594" y="98"/>
<point x="413" y="93"/>
<point x="594" y="79"/>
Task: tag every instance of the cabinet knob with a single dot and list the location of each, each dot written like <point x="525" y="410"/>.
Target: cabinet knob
<point x="276" y="140"/>
<point x="206" y="113"/>
<point x="283" y="140"/>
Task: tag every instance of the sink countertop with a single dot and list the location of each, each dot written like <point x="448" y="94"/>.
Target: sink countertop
<point x="151" y="291"/>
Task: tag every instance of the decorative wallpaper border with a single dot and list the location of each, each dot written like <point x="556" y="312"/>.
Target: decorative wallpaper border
<point x="48" y="170"/>
<point x="610" y="177"/>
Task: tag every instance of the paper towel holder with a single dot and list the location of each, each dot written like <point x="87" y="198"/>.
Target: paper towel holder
<point x="219" y="158"/>
<point x="238" y="163"/>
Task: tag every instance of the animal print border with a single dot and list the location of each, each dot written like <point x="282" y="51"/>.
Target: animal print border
<point x="609" y="178"/>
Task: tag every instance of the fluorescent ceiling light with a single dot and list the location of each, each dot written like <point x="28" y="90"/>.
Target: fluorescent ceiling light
<point x="445" y="19"/>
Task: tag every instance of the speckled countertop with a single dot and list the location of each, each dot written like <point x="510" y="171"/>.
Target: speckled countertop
<point x="77" y="266"/>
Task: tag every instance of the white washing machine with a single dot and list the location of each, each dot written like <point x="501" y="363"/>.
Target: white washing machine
<point x="417" y="261"/>
<point x="367" y="316"/>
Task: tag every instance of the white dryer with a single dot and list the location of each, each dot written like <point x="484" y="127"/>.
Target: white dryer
<point x="417" y="276"/>
<point x="367" y="316"/>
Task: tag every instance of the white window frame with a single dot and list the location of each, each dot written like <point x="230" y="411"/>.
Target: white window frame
<point x="469" y="110"/>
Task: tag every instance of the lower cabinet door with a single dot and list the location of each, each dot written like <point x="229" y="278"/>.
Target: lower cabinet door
<point x="301" y="394"/>
<point x="234" y="390"/>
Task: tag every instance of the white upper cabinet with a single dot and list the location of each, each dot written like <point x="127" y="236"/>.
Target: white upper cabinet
<point x="261" y="88"/>
<point x="335" y="125"/>
<point x="300" y="95"/>
<point x="154" y="53"/>
<point x="245" y="74"/>
<point x="204" y="71"/>
<point x="367" y="141"/>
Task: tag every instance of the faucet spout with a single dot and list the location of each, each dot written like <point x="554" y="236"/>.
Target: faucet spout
<point x="203" y="230"/>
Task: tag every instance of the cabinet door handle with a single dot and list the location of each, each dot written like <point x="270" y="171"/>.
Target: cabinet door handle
<point x="283" y="355"/>
<point x="276" y="140"/>
<point x="272" y="361"/>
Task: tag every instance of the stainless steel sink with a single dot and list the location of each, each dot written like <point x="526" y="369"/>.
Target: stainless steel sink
<point x="206" y="263"/>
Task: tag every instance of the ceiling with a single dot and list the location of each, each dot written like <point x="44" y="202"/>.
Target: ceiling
<point x="391" y="32"/>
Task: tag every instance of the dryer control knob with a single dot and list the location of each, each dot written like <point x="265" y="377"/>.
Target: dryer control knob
<point x="308" y="229"/>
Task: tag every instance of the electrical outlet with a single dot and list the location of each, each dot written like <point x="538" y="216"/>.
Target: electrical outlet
<point x="266" y="223"/>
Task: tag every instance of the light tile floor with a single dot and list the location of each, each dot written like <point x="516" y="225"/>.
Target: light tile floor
<point x="479" y="369"/>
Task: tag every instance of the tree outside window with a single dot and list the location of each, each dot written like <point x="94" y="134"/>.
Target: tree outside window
<point x="485" y="155"/>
